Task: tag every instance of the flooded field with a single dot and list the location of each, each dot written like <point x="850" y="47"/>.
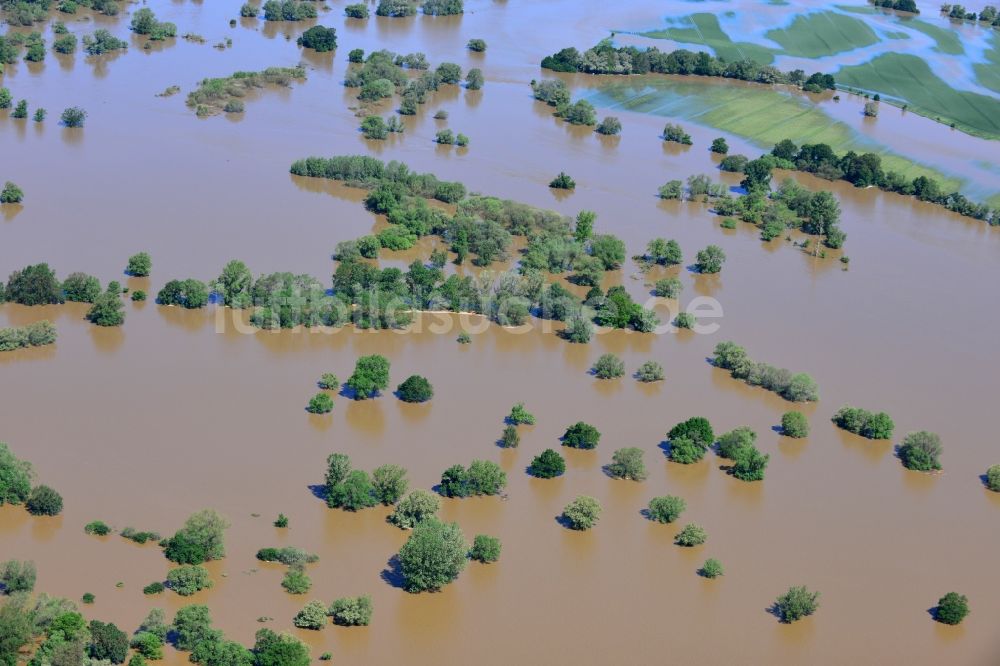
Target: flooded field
<point x="180" y="410"/>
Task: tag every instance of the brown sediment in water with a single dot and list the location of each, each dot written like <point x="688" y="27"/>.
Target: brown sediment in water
<point x="143" y="425"/>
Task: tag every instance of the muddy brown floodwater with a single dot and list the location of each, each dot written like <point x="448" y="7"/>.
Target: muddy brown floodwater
<point x="175" y="411"/>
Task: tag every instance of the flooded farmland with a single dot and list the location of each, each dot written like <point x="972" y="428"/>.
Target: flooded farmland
<point x="179" y="410"/>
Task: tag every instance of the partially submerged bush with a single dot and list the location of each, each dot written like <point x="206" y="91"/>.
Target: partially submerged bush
<point x="485" y="549"/>
<point x="352" y="611"/>
<point x="691" y="535"/>
<point x="666" y="509"/>
<point x="548" y="464"/>
<point x="582" y="513"/>
<point x="796" y="604"/>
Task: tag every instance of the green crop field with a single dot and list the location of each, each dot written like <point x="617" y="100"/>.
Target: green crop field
<point x="704" y="29"/>
<point x="947" y="40"/>
<point x="762" y="115"/>
<point x="907" y="77"/>
<point x="823" y="34"/>
<point x="989" y="73"/>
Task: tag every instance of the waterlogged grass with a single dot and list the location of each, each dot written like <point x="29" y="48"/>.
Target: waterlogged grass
<point x="704" y="29"/>
<point x="896" y="35"/>
<point x="907" y="77"/>
<point x="823" y="34"/>
<point x="762" y="115"/>
<point x="988" y="74"/>
<point x="947" y="40"/>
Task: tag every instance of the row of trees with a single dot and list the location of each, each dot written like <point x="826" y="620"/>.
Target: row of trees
<point x="793" y="387"/>
<point x="865" y="170"/>
<point x="989" y="14"/>
<point x="35" y="334"/>
<point x="605" y="58"/>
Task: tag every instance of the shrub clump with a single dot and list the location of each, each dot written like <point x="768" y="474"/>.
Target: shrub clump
<point x="563" y="182"/>
<point x="188" y="579"/>
<point x="312" y="616"/>
<point x="11" y="193"/>
<point x="414" y="508"/>
<point x="951" y="608"/>
<point x="548" y="464"/>
<point x="433" y="556"/>
<point x="581" y="435"/>
<point x="352" y="611"/>
<point x="518" y="415"/>
<point x="666" y="509"/>
<point x="582" y="513"/>
<point x="711" y="569"/>
<point x="796" y="604"/>
<point x="97" y="527"/>
<point x="415" y="389"/>
<point x="921" y="451"/>
<point x="609" y="366"/>
<point x="794" y="388"/>
<point x="319" y="38"/>
<point x="691" y="534"/>
<point x="627" y="463"/>
<point x="864" y="423"/>
<point x="482" y="477"/>
<point x="321" y="403"/>
<point x="485" y="549"/>
<point x="794" y="424"/>
<point x="44" y="501"/>
<point x="650" y="371"/>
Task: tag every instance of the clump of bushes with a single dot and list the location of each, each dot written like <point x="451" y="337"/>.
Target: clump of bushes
<point x="689" y="440"/>
<point x="482" y="477"/>
<point x="547" y="465"/>
<point x="154" y="588"/>
<point x="518" y="415"/>
<point x="97" y="527"/>
<point x="794" y="388"/>
<point x="794" y="424"/>
<point x="951" y="608"/>
<point x="667" y="288"/>
<point x="666" y="509"/>
<point x="321" y="403"/>
<point x="190" y="294"/>
<point x="582" y="513"/>
<point x="650" y="371"/>
<point x="371" y="374"/>
<point x="328" y="381"/>
<point x="357" y="11"/>
<point x="485" y="549"/>
<point x="608" y="366"/>
<point x="796" y="604"/>
<point x="139" y="265"/>
<point x="44" y="501"/>
<point x="711" y="569"/>
<point x="510" y="439"/>
<point x="993" y="478"/>
<point x="627" y="463"/>
<point x="581" y="435"/>
<point x="296" y="581"/>
<point x="691" y="534"/>
<point x="433" y="556"/>
<point x="188" y="579"/>
<point x="610" y="126"/>
<point x="864" y="423"/>
<point x="676" y="134"/>
<point x="36" y="334"/>
<point x="288" y="10"/>
<point x="415" y="389"/>
<point x="288" y="555"/>
<point x="11" y="193"/>
<point x="477" y="45"/>
<point x="312" y="616"/>
<point x="352" y="611"/>
<point x="414" y="508"/>
<point x="563" y="182"/>
<point x="921" y="451"/>
<point x="319" y="38"/>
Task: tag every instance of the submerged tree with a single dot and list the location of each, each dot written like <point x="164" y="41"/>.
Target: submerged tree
<point x="433" y="556"/>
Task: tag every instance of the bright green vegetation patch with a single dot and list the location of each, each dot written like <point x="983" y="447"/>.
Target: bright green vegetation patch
<point x="704" y="29"/>
<point x="823" y="34"/>
<point x="857" y="9"/>
<point x="225" y="94"/>
<point x="896" y="35"/>
<point x="762" y="115"/>
<point x="948" y="41"/>
<point x="989" y="74"/>
<point x="907" y="77"/>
